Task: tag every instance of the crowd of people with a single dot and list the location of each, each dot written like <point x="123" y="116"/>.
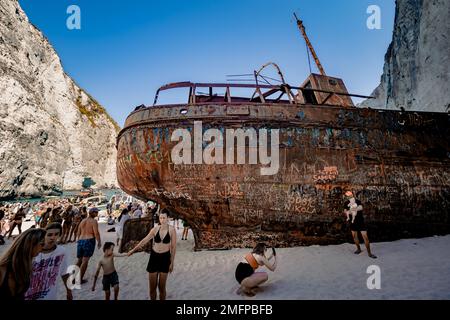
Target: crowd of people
<point x="36" y="258"/>
<point x="68" y="212"/>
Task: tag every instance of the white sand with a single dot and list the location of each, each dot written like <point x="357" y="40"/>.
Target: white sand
<point x="410" y="269"/>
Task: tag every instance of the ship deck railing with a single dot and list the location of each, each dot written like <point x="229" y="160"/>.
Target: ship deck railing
<point x="258" y="96"/>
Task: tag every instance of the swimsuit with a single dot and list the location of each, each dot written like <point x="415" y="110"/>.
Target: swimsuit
<point x="245" y="270"/>
<point x="166" y="239"/>
<point x="159" y="262"/>
<point x="359" y="224"/>
<point x="110" y="280"/>
<point x="85" y="248"/>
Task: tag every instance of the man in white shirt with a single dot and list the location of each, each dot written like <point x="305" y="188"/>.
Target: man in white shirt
<point x="48" y="266"/>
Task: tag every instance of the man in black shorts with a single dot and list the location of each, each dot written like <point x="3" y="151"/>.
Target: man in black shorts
<point x="358" y="224"/>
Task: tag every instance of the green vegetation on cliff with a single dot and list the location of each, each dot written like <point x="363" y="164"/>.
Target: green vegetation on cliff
<point x="93" y="110"/>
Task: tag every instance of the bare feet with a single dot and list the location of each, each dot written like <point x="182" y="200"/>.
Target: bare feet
<point x="249" y="293"/>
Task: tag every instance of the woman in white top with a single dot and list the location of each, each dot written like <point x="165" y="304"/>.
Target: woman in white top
<point x="245" y="272"/>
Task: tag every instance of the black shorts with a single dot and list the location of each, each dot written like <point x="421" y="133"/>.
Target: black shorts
<point x="110" y="280"/>
<point x="159" y="262"/>
<point x="358" y="225"/>
<point x="243" y="271"/>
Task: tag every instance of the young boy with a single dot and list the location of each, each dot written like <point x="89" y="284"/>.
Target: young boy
<point x="110" y="276"/>
<point x="48" y="265"/>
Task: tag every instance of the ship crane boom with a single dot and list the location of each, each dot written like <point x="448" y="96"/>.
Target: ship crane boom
<point x="310" y="47"/>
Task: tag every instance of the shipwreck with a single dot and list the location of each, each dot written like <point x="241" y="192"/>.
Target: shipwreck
<point x="396" y="162"/>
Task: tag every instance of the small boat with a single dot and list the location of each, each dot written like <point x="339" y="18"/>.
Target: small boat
<point x="99" y="201"/>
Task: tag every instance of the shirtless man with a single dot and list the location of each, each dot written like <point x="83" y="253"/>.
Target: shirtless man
<point x="110" y="276"/>
<point x="87" y="234"/>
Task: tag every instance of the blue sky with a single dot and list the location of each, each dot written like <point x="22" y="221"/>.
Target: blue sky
<point x="126" y="50"/>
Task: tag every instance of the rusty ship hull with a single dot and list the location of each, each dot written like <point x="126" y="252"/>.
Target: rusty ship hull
<point x="396" y="162"/>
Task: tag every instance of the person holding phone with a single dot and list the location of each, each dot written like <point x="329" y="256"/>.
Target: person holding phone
<point x="245" y="271"/>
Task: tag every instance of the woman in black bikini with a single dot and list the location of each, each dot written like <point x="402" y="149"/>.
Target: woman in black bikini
<point x="162" y="255"/>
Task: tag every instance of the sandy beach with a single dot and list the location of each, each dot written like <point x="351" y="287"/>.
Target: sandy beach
<point x="410" y="269"/>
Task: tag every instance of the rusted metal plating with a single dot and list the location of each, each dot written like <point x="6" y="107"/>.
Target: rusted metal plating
<point x="396" y="162"/>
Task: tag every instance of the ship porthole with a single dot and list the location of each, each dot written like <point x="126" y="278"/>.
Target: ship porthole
<point x="183" y="111"/>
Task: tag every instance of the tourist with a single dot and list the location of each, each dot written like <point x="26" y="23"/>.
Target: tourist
<point x="124" y="217"/>
<point x="245" y="272"/>
<point x="2" y="215"/>
<point x="45" y="217"/>
<point x="55" y="216"/>
<point x="358" y="224"/>
<point x="111" y="220"/>
<point x="87" y="234"/>
<point x="75" y="224"/>
<point x="48" y="265"/>
<point x="138" y="212"/>
<point x="17" y="219"/>
<point x="84" y="213"/>
<point x="110" y="276"/>
<point x="37" y="214"/>
<point x="16" y="264"/>
<point x="184" y="235"/>
<point x="162" y="255"/>
<point x="67" y="224"/>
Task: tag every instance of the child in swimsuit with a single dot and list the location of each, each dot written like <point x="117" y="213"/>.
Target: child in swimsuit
<point x="110" y="276"/>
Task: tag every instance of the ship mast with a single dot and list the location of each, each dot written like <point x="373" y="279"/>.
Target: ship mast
<point x="310" y="47"/>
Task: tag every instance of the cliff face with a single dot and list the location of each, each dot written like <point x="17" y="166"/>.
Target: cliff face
<point x="52" y="133"/>
<point x="417" y="64"/>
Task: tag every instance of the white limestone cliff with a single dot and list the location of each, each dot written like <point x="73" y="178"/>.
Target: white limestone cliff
<point x="416" y="73"/>
<point x="52" y="133"/>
